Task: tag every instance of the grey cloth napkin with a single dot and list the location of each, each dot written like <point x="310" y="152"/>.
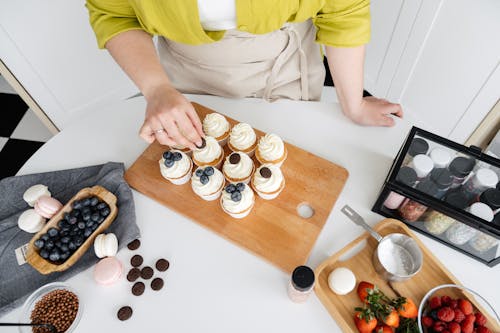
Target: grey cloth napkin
<point x="17" y="282"/>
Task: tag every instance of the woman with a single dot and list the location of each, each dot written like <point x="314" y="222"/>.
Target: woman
<point x="236" y="48"/>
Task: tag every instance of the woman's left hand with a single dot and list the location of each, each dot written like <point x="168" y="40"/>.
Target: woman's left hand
<point x="373" y="111"/>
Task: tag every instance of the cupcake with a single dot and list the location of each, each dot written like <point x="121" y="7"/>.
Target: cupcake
<point x="271" y="150"/>
<point x="209" y="154"/>
<point x="243" y="139"/>
<point x="237" y="200"/>
<point x="268" y="181"/>
<point x="176" y="167"/>
<point x="207" y="182"/>
<point x="185" y="150"/>
<point x="216" y="125"/>
<point x="238" y="168"/>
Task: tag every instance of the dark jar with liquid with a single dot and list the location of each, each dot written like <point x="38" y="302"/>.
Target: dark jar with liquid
<point x="443" y="180"/>
<point x="406" y="176"/>
<point x="418" y="146"/>
<point x="460" y="168"/>
<point x="411" y="210"/>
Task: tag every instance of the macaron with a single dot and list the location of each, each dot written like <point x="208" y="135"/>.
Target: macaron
<point x="30" y="221"/>
<point x="106" y="245"/>
<point x="107" y="271"/>
<point x="47" y="206"/>
<point x="32" y="194"/>
<point x="341" y="281"/>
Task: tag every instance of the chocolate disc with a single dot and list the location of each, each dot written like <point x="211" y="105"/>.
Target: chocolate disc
<point x="234" y="158"/>
<point x="124" y="313"/>
<point x="157" y="284"/>
<point x="265" y="172"/>
<point x="136" y="260"/>
<point x="162" y="265"/>
<point x="134" y="245"/>
<point x="147" y="273"/>
<point x="203" y="144"/>
<point x="133" y="274"/>
<point x="138" y="288"/>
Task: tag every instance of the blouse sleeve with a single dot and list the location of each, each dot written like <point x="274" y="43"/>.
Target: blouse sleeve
<point x="343" y="23"/>
<point x="108" y="18"/>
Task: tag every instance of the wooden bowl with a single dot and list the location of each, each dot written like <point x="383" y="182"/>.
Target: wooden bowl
<point x="44" y="266"/>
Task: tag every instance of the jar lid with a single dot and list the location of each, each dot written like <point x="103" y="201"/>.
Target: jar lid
<point x="303" y="278"/>
<point x="481" y="210"/>
<point x="461" y="166"/>
<point x="427" y="186"/>
<point x="491" y="197"/>
<point x="441" y="157"/>
<point x="422" y="164"/>
<point x="486" y="177"/>
<point x="407" y="176"/>
<point x="457" y="199"/>
<point x="442" y="178"/>
<point x="418" y="146"/>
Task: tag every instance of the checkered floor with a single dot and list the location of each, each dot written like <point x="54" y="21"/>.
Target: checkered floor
<point x="21" y="132"/>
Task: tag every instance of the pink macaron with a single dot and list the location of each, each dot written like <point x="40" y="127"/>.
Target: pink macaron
<point x="47" y="206"/>
<point x="108" y="271"/>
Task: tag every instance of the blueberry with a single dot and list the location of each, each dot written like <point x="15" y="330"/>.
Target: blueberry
<point x="66" y="216"/>
<point x="94" y="201"/>
<point x="199" y="172"/>
<point x="64" y="248"/>
<point x="64" y="256"/>
<point x="78" y="240"/>
<point x="168" y="155"/>
<point x="168" y="163"/>
<point x="433" y="314"/>
<point x="39" y="243"/>
<point x="230" y="188"/>
<point x="75" y="228"/>
<point x="58" y="243"/>
<point x="95" y="226"/>
<point x="81" y="225"/>
<point x="55" y="255"/>
<point x="204" y="179"/>
<point x="72" y="246"/>
<point x="44" y="253"/>
<point x="86" y="216"/>
<point x="208" y="171"/>
<point x="101" y="219"/>
<point x="86" y="202"/>
<point x="89" y="223"/>
<point x="53" y="232"/>
<point x="102" y="205"/>
<point x="61" y="224"/>
<point x="240" y="187"/>
<point x="49" y="245"/>
<point x="73" y="233"/>
<point x="86" y="210"/>
<point x="94" y="217"/>
<point x="75" y="213"/>
<point x="87" y="232"/>
<point x="77" y="204"/>
<point x="65" y="240"/>
<point x="177" y="156"/>
<point x="45" y="237"/>
<point x="236" y="196"/>
<point x="72" y="220"/>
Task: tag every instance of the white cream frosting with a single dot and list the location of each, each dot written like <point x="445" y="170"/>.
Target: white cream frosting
<point x="268" y="185"/>
<point x="215" y="183"/>
<point x="247" y="199"/>
<point x="179" y="169"/>
<point x="241" y="170"/>
<point x="271" y="147"/>
<point x="242" y="136"/>
<point x="211" y="152"/>
<point x="215" y="125"/>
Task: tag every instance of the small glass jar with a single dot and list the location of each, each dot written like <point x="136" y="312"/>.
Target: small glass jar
<point x="460" y="168"/>
<point x="441" y="157"/>
<point x="460" y="233"/>
<point x="457" y="199"/>
<point x="411" y="210"/>
<point x="418" y="146"/>
<point x="436" y="222"/>
<point x="483" y="242"/>
<point x="301" y="284"/>
<point x="443" y="180"/>
<point x="491" y="197"/>
<point x="422" y="164"/>
<point x="480" y="181"/>
<point x="406" y="176"/>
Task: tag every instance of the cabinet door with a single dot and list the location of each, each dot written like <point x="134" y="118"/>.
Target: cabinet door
<point x="50" y="48"/>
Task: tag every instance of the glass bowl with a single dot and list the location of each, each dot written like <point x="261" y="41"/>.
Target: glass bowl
<point x="455" y="291"/>
<point x="29" y="305"/>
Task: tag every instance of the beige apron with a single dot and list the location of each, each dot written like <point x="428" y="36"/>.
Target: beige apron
<point x="286" y="63"/>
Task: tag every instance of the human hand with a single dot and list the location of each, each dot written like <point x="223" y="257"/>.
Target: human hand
<point x="171" y="119"/>
<point x="374" y="111"/>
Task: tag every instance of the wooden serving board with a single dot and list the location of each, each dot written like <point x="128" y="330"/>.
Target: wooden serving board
<point x="273" y="230"/>
<point x="432" y="274"/>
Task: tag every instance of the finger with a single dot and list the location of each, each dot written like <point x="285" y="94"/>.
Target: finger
<point x="164" y="139"/>
<point x="187" y="129"/>
<point x="174" y="133"/>
<point x="146" y="133"/>
<point x="195" y="120"/>
<point x="385" y="121"/>
<point x="394" y="109"/>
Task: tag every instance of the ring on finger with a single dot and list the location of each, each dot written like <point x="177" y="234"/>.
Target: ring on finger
<point x="159" y="130"/>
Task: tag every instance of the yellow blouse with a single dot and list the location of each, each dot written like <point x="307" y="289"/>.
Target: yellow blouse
<point x="340" y="23"/>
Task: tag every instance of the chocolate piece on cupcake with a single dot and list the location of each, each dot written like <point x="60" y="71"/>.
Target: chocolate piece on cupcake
<point x="242" y="139"/>
<point x="210" y="154"/>
<point x="217" y="126"/>
<point x="207" y="182"/>
<point x="238" y="168"/>
<point x="268" y="181"/>
<point x="271" y="150"/>
<point x="237" y="200"/>
<point x="176" y="167"/>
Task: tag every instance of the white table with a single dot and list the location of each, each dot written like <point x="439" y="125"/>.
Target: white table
<point x="212" y="284"/>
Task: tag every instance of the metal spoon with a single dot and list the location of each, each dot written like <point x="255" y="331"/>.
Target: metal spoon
<point x="51" y="327"/>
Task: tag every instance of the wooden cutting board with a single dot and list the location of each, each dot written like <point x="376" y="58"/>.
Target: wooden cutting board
<point x="273" y="230"/>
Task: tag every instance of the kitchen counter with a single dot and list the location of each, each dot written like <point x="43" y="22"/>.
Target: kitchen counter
<point x="212" y="284"/>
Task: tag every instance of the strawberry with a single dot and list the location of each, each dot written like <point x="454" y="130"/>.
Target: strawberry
<point x="365" y="321"/>
<point x="467" y="327"/>
<point x="406" y="307"/>
<point x="435" y="302"/>
<point x="480" y="319"/>
<point x="383" y="329"/>
<point x="445" y="300"/>
<point x="363" y="289"/>
<point x="446" y="314"/>
<point x="392" y="319"/>
<point x="459" y="316"/>
<point x="439" y="326"/>
<point x="427" y="321"/>
<point x="483" y="329"/>
<point x="465" y="306"/>
<point x="454" y="327"/>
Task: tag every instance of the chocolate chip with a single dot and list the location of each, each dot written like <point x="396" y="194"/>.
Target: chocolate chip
<point x="136" y="260"/>
<point x="203" y="144"/>
<point x="265" y="172"/>
<point x="134" y="245"/>
<point x="157" y="283"/>
<point x="138" y="288"/>
<point x="133" y="274"/>
<point x="162" y="265"/>
<point x="147" y="273"/>
<point x="234" y="158"/>
<point x="124" y="313"/>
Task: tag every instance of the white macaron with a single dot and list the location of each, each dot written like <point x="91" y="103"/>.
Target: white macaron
<point x="106" y="245"/>
<point x="32" y="194"/>
<point x="341" y="281"/>
<point x="30" y="221"/>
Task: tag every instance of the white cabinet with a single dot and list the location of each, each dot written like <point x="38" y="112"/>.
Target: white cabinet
<point x="441" y="61"/>
<point x="50" y="48"/>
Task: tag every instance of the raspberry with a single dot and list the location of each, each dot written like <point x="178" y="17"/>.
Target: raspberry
<point x="480" y="319"/>
<point x="470" y="318"/>
<point x="465" y="306"/>
<point x="483" y="329"/>
<point x="439" y="326"/>
<point x="453" y="304"/>
<point x="446" y="314"/>
<point x="467" y="327"/>
<point x="459" y="316"/>
<point x="427" y="321"/>
<point x="435" y="302"/>
<point x="445" y="300"/>
<point x="454" y="327"/>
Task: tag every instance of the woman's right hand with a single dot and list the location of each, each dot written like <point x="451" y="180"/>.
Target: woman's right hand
<point x="171" y="119"/>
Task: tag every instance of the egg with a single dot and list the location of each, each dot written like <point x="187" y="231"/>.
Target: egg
<point x="341" y="281"/>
